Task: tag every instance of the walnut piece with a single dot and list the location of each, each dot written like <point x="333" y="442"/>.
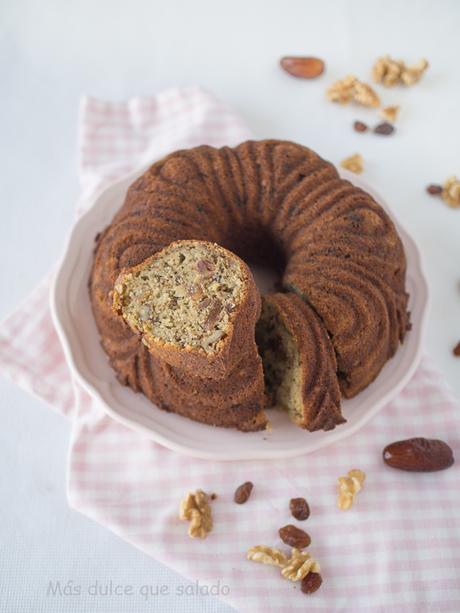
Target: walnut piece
<point x="353" y="163"/>
<point x="294" y="568"/>
<point x="267" y="555"/>
<point x="212" y="338"/>
<point x="299" y="565"/>
<point x="195" y="509"/>
<point x="451" y="192"/>
<point x="390" y="72"/>
<point x="348" y="487"/>
<point x="341" y="91"/>
<point x="412" y="74"/>
<point x="351" y="89"/>
<point x="387" y="71"/>
<point x="390" y="113"/>
<point x="365" y="95"/>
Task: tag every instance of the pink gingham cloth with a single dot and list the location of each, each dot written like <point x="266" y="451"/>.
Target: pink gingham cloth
<point x="397" y="549"/>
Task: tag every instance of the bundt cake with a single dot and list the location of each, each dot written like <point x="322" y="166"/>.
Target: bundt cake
<point x="274" y="202"/>
<point x="195" y="305"/>
<point x="299" y="362"/>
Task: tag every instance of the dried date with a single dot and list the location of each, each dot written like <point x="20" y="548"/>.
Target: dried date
<point x="418" y="455"/>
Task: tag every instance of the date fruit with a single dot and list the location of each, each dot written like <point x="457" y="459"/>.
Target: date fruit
<point x="303" y="67"/>
<point x="418" y="455"/>
<point x="311" y="583"/>
<point x="299" y="508"/>
<point x="243" y="492"/>
<point x="294" y="537"/>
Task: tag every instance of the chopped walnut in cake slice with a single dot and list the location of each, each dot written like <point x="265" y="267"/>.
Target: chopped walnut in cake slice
<point x="195" y="305"/>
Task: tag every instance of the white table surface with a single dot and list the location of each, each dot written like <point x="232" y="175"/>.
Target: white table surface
<point x="50" y="53"/>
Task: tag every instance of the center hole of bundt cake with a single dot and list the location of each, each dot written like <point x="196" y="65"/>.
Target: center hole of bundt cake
<point x="261" y="251"/>
<point x="267" y="279"/>
<point x="185" y="295"/>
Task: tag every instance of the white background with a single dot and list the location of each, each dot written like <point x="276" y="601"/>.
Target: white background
<point x="50" y="53"/>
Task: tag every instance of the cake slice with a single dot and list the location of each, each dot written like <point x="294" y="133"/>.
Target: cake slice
<point x="299" y="362"/>
<point x="234" y="402"/>
<point x="195" y="305"/>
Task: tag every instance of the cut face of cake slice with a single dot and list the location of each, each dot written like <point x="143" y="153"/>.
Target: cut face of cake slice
<point x="299" y="362"/>
<point x="195" y="305"/>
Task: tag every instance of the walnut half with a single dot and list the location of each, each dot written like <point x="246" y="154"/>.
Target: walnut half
<point x="351" y="89"/>
<point x="353" y="163"/>
<point x="299" y="565"/>
<point x="267" y="555"/>
<point x="389" y="71"/>
<point x="195" y="508"/>
<point x="348" y="487"/>
<point x="451" y="192"/>
<point x="390" y="113"/>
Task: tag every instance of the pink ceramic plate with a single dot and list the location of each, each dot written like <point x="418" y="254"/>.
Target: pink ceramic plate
<point x="77" y="330"/>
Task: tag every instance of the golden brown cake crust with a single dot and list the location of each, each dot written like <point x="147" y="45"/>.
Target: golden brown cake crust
<point x="273" y="201"/>
<point x="234" y="402"/>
